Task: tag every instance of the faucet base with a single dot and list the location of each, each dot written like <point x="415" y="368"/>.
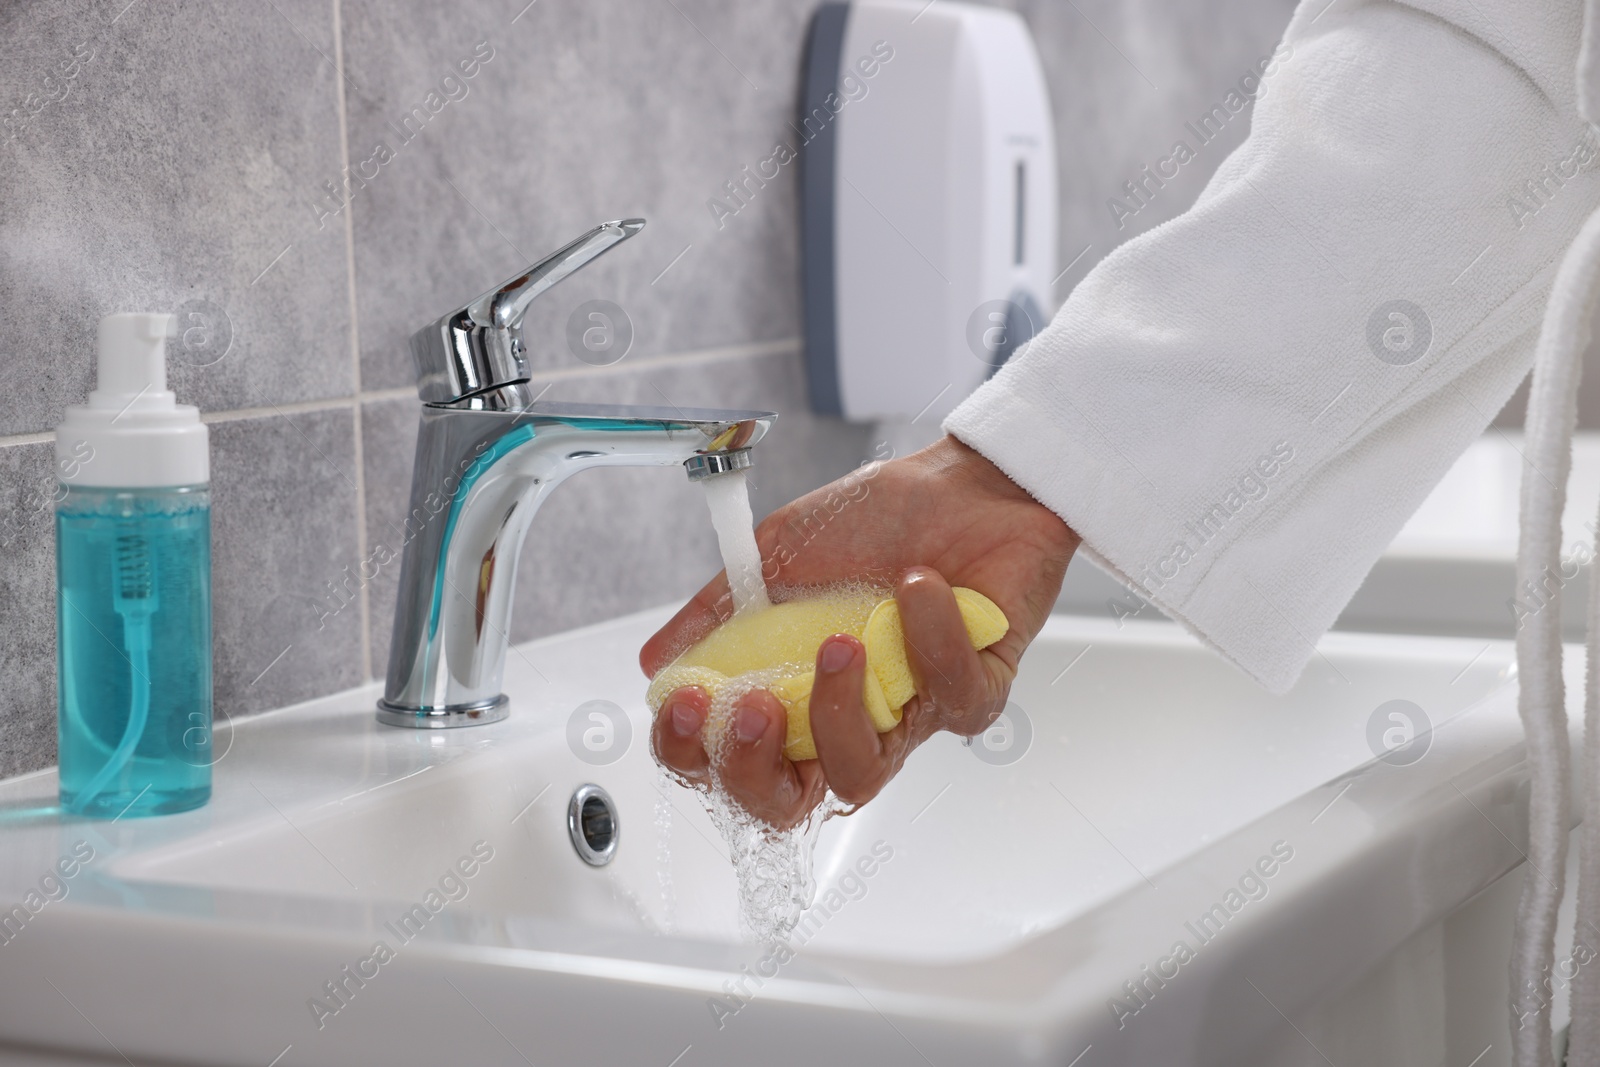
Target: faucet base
<point x="447" y="717"/>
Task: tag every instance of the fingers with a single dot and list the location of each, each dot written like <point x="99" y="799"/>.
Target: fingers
<point x="849" y="749"/>
<point x="956" y="690"/>
<point x="675" y="736"/>
<point x="755" y="771"/>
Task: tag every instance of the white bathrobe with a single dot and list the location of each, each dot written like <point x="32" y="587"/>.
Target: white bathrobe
<point x="1222" y="410"/>
<point x="1238" y="410"/>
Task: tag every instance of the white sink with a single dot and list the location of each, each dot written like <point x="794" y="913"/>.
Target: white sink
<point x="1005" y="907"/>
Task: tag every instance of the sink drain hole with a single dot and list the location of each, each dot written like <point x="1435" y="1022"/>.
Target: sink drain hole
<point x="592" y="824"/>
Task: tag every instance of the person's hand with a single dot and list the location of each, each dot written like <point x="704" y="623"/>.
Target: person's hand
<point x="942" y="517"/>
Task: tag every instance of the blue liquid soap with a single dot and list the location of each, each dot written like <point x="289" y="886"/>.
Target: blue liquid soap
<point x="133" y="626"/>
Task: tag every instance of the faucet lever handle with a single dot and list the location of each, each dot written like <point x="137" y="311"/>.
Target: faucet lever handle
<point x="504" y="306"/>
<point x="479" y="347"/>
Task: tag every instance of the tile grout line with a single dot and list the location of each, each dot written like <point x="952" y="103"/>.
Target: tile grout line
<point x="29" y="438"/>
<point x="355" y="347"/>
<point x="399" y="392"/>
<point x="302" y="407"/>
<point x="692" y="358"/>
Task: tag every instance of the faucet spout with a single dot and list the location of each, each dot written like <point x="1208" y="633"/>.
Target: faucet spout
<point x="487" y="457"/>
<point x="480" y="477"/>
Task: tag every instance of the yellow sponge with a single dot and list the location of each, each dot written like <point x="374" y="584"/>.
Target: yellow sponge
<point x="778" y="646"/>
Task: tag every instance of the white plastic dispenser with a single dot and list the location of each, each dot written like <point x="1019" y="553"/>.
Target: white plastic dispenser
<point x="929" y="203"/>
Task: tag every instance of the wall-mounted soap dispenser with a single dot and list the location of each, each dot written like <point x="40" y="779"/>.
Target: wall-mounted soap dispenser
<point x="133" y="586"/>
<point x="929" y="203"/>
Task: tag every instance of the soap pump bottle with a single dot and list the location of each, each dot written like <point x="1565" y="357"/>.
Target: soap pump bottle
<point x="133" y="580"/>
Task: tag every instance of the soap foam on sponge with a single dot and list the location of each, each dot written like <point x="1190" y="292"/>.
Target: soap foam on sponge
<point x="779" y="644"/>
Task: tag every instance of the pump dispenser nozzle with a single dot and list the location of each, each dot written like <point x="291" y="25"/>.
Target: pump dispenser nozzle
<point x="132" y="362"/>
<point x="133" y="431"/>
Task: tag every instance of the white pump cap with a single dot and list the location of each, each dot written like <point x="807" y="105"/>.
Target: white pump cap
<point x="133" y="433"/>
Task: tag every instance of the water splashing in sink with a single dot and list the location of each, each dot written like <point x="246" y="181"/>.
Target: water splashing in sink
<point x="669" y="897"/>
<point x="773" y="867"/>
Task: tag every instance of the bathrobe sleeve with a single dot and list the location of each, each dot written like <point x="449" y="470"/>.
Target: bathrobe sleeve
<point x="1238" y="410"/>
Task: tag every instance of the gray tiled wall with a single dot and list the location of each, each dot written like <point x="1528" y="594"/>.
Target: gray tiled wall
<point x="158" y="154"/>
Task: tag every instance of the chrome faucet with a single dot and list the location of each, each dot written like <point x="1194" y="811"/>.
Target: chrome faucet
<point x="487" y="456"/>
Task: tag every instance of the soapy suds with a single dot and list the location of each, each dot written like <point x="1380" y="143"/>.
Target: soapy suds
<point x="728" y="497"/>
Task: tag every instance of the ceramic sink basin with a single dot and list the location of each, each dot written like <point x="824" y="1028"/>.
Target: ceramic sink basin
<point x="997" y="904"/>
